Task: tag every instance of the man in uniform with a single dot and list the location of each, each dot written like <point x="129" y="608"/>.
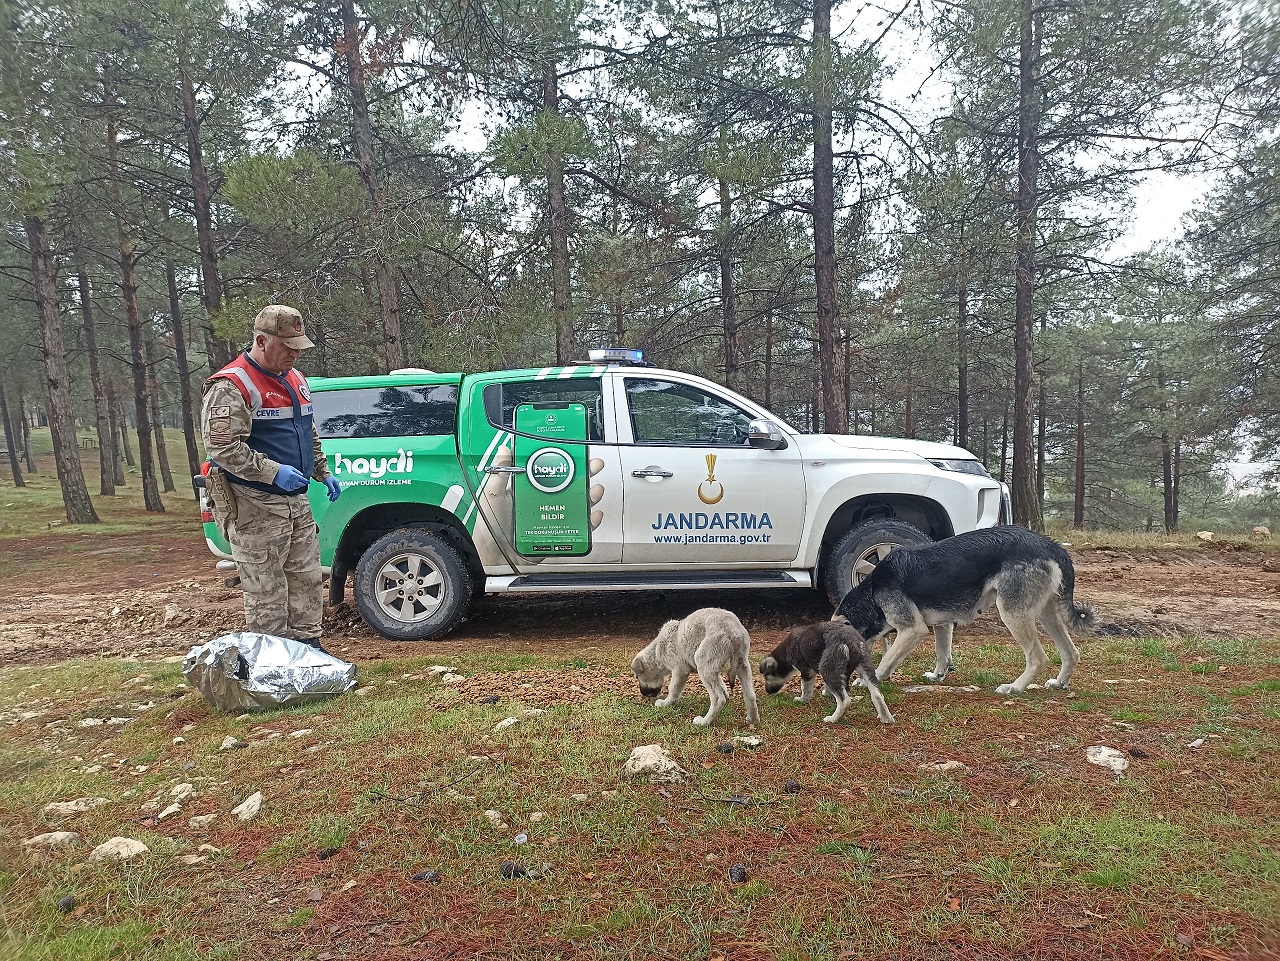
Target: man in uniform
<point x="264" y="451"/>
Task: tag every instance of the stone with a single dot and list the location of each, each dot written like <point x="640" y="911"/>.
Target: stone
<point x="427" y="877"/>
<point x="1260" y="533"/>
<point x="248" y="809"/>
<point x="303" y="732"/>
<point x="511" y="870"/>
<point x="452" y="679"/>
<point x="67" y="904"/>
<point x="1205" y="535"/>
<point x="193" y="859"/>
<point x="169" y="812"/>
<point x="173" y="615"/>
<point x="202" y="820"/>
<point x="749" y="741"/>
<point x="1107" y="757"/>
<point x="179" y="739"/>
<point x="232" y="743"/>
<point x="181" y="793"/>
<point x="118" y="849"/>
<point x="738" y="874"/>
<point x="791" y="787"/>
<point x="78" y="806"/>
<point x="944" y="767"/>
<point x="506" y="723"/>
<point x="654" y="762"/>
<point x="941" y="689"/>
<point x="537" y="816"/>
<point x="580" y="798"/>
<point x="53" y="840"/>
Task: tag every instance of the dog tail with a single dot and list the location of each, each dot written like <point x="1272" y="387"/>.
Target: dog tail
<point x="1080" y="614"/>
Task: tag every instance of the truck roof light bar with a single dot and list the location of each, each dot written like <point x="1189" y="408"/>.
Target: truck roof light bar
<point x="626" y="356"/>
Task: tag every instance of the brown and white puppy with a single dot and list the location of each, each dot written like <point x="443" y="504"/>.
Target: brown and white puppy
<point x="708" y="641"/>
<point x="833" y="650"/>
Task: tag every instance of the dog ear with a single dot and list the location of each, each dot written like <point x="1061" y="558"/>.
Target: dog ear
<point x="768" y="665"/>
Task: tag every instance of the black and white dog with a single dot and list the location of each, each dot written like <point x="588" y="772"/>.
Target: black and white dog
<point x="1026" y="575"/>
<point x="832" y="649"/>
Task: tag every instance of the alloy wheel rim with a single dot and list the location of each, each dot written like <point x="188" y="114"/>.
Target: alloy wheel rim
<point x="409" y="588"/>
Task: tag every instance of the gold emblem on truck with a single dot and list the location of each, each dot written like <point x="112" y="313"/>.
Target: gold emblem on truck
<point x="711" y="483"/>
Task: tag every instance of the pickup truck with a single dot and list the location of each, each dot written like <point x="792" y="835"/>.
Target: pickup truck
<point x="611" y="475"/>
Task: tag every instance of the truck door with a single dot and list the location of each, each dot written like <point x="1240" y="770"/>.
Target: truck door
<point x="533" y="444"/>
<point x="696" y="492"/>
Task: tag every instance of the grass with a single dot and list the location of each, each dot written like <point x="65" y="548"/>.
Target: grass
<point x="1033" y="852"/>
<point x="37" y="509"/>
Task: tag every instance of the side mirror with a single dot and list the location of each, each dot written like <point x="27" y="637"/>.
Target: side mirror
<point x="766" y="435"/>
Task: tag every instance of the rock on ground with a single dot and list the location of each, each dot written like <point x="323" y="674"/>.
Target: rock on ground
<point x="248" y="809"/>
<point x="118" y="849"/>
<point x="654" y="762"/>
<point x="78" y="806"/>
<point x="53" y="840"/>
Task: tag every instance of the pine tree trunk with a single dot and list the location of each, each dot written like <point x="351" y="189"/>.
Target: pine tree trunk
<point x="62" y="422"/>
<point x="220" y="352"/>
<point x="1078" y="515"/>
<point x="911" y="412"/>
<point x="153" y="394"/>
<point x="129" y="288"/>
<point x="962" y="367"/>
<point x="1041" y="433"/>
<point x="117" y="432"/>
<point x="768" y="359"/>
<point x="11" y="441"/>
<point x="824" y="211"/>
<point x="362" y="140"/>
<point x="124" y="434"/>
<point x="558" y="219"/>
<point x="27" y="453"/>
<point x="728" y="296"/>
<point x="184" y="373"/>
<point x="1027" y="509"/>
<point x="1004" y="446"/>
<point x="101" y="409"/>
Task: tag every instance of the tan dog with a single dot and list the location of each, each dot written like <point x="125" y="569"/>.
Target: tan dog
<point x="707" y="641"/>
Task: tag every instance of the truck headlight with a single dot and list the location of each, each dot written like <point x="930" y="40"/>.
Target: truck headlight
<point x="961" y="466"/>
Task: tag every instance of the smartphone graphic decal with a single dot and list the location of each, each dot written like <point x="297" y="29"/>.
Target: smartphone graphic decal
<point x="552" y="515"/>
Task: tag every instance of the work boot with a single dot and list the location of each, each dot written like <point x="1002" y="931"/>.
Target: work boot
<point x="312" y="642"/>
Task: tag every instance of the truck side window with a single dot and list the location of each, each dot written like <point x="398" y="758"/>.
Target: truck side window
<point x="664" y="412"/>
<point x="501" y="401"/>
<point x="429" y="410"/>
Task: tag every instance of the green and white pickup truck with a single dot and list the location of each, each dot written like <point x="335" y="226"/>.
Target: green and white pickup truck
<point x="605" y="476"/>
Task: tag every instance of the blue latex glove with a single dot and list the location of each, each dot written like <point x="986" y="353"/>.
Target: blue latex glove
<point x="291" y="479"/>
<point x="334" y="488"/>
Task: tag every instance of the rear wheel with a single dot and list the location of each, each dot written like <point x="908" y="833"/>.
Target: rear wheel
<point x="412" y="586"/>
<point x="858" y="552"/>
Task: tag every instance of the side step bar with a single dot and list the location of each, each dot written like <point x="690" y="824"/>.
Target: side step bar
<point x="682" y="581"/>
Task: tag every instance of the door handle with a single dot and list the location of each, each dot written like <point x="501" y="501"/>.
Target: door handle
<point x="652" y="472"/>
<point x="504" y="469"/>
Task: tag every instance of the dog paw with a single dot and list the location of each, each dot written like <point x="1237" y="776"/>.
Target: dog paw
<point x="1008" y="689"/>
<point x="888" y="719"/>
<point x="802" y="700"/>
<point x="702" y="721"/>
<point x="1054" y="684"/>
<point x="662" y="702"/>
<point x="933" y="676"/>
<point x="830" y="719"/>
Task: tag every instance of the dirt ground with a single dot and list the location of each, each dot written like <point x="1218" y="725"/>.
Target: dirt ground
<point x="138" y="596"/>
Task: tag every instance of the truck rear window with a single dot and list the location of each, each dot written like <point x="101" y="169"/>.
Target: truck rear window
<point x="386" y="411"/>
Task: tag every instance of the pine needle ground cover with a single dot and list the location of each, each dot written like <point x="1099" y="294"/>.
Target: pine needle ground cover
<point x="1029" y="851"/>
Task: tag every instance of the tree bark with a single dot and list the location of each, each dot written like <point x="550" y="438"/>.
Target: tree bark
<point x="768" y="359"/>
<point x="1041" y="435"/>
<point x="362" y="141"/>
<point x="558" y="219"/>
<point x="11" y="441"/>
<point x="1027" y="509"/>
<point x="1078" y="515"/>
<point x="221" y="353"/>
<point x="129" y="288"/>
<point x="962" y="366"/>
<point x="184" y="373"/>
<point x="153" y="394"/>
<point x="119" y="436"/>
<point x="728" y="296"/>
<point x="124" y="434"/>
<point x="101" y="411"/>
<point x="824" y="211"/>
<point x="27" y="453"/>
<point x="62" y="423"/>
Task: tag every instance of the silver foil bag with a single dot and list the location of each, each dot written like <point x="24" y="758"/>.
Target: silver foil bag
<point x="248" y="671"/>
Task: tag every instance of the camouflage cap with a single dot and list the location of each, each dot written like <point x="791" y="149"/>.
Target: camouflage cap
<point x="283" y="322"/>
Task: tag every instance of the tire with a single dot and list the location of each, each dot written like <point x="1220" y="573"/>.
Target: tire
<point x="861" y="549"/>
<point x="441" y="586"/>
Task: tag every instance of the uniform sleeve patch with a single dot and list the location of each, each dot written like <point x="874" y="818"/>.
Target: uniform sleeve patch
<point x="220" y="430"/>
<point x="219" y="411"/>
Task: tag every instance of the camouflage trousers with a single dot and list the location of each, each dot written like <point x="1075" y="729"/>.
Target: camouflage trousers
<point x="274" y="544"/>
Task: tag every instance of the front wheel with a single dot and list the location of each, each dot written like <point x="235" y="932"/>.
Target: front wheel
<point x="412" y="586"/>
<point x="858" y="552"/>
